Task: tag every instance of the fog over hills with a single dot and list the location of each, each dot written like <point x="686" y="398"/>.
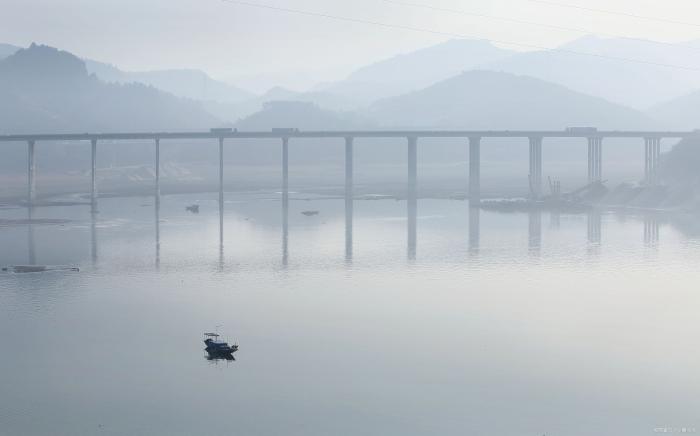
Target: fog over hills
<point x="7" y="49"/>
<point x="627" y="83"/>
<point x="188" y="83"/>
<point x="47" y="90"/>
<point x="491" y="100"/>
<point x="301" y="115"/>
<point x="679" y="113"/>
<point x="412" y="71"/>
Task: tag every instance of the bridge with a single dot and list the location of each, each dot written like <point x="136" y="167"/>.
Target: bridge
<point x="593" y="136"/>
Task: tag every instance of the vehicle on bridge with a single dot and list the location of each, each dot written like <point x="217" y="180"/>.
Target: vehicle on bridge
<point x="579" y="130"/>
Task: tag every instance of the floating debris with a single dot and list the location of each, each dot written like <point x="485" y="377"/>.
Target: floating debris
<point x="310" y="212"/>
<point x="193" y="208"/>
<point x="38" y="268"/>
<point x="39" y="221"/>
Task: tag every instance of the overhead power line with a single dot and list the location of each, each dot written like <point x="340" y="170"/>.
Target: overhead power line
<point x="618" y="13"/>
<point x="454" y="35"/>
<point x="534" y="23"/>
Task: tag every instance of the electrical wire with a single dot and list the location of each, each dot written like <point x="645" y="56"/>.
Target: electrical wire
<point x="455" y="35"/>
<point x="534" y="23"/>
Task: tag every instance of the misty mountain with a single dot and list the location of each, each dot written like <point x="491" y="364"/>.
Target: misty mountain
<point x="633" y="84"/>
<point x="416" y="70"/>
<point x="491" y="100"/>
<point x="188" y="83"/>
<point x="7" y="50"/>
<point x="679" y="113"/>
<point x="43" y="89"/>
<point x="301" y="115"/>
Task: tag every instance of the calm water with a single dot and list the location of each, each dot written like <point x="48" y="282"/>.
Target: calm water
<point x="499" y="324"/>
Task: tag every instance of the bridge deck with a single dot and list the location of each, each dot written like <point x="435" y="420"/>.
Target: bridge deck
<point x="351" y="133"/>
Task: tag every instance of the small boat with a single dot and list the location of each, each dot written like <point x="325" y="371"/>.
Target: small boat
<point x="216" y="347"/>
<point x="310" y="212"/>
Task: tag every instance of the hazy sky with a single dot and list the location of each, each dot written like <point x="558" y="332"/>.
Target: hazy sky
<point x="230" y="40"/>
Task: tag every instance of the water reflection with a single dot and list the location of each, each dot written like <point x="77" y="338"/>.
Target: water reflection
<point x="349" y="211"/>
<point x="594" y="226"/>
<point x="412" y="211"/>
<point x="593" y="231"/>
<point x="157" y="210"/>
<point x="474" y="229"/>
<point x="217" y="357"/>
<point x="555" y="220"/>
<point x="93" y="235"/>
<point x="651" y="230"/>
<point x="285" y="227"/>
<point x="30" y="236"/>
<point x="534" y="231"/>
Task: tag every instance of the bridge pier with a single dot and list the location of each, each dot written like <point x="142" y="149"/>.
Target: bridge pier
<point x="595" y="159"/>
<point x="412" y="195"/>
<point x="349" y="195"/>
<point x="31" y="172"/>
<point x="474" y="171"/>
<point x="93" y="175"/>
<point x="221" y="193"/>
<point x="652" y="154"/>
<point x="535" y="167"/>
<point x="157" y="188"/>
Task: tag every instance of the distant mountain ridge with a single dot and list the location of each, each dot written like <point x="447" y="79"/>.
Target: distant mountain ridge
<point x="188" y="83"/>
<point x="603" y="74"/>
<point x="7" y="50"/>
<point x="493" y="100"/>
<point x="415" y="70"/>
<point x="679" y="113"/>
<point x="43" y="89"/>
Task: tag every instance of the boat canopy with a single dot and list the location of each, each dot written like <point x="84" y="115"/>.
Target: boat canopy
<point x="213" y="335"/>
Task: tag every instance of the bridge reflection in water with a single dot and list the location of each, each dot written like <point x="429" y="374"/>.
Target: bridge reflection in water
<point x="594" y="225"/>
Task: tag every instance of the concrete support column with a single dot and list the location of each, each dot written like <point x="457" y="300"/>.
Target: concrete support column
<point x="652" y="155"/>
<point x="412" y="194"/>
<point x="93" y="174"/>
<point x="157" y="193"/>
<point x="221" y="195"/>
<point x="474" y="171"/>
<point x="349" y="195"/>
<point x="285" y="171"/>
<point x="31" y="172"/>
<point x="535" y="167"/>
<point x="595" y="159"/>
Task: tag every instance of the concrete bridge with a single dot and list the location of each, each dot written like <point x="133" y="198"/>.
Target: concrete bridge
<point x="594" y="137"/>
